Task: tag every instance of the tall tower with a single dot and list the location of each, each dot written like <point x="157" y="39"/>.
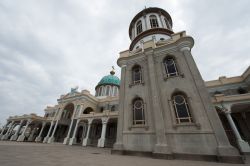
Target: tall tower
<point x="164" y="106"/>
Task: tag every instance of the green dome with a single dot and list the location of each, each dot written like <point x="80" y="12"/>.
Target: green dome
<point x="109" y="80"/>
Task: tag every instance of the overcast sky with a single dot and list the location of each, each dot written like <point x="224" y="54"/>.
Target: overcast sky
<point x="49" y="46"/>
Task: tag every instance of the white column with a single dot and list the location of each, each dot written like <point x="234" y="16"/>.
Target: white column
<point x="101" y="141"/>
<point x="4" y="127"/>
<point x="51" y="139"/>
<point x="66" y="140"/>
<point x="22" y="136"/>
<point x="39" y="138"/>
<point x="86" y="140"/>
<point x="15" y="136"/>
<point x="243" y="145"/>
<point x="73" y="139"/>
<point x="45" y="140"/>
<point x="6" y="135"/>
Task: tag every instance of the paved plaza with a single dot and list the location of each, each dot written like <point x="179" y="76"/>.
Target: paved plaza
<point x="35" y="154"/>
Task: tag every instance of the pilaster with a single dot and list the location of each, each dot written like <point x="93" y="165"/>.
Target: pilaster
<point x="119" y="138"/>
<point x="161" y="146"/>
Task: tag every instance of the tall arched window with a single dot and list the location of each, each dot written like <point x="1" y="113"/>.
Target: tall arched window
<point x="96" y="92"/>
<point x="181" y="107"/>
<point x="136" y="74"/>
<point x="153" y="21"/>
<point x="167" y="23"/>
<point x="115" y="90"/>
<point x="107" y="90"/>
<point x="100" y="91"/>
<point x="170" y="66"/>
<point x="138" y="27"/>
<point x="138" y="111"/>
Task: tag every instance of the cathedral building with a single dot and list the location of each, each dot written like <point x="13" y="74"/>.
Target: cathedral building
<point x="161" y="107"/>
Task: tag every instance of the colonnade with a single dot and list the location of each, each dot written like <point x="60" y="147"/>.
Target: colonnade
<point x="49" y="137"/>
<point x="243" y="145"/>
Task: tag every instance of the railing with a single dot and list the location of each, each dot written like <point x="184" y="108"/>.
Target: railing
<point x="99" y="114"/>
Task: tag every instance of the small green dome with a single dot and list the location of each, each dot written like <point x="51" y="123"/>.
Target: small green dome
<point x="109" y="80"/>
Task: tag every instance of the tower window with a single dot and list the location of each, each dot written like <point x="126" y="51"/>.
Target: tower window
<point x="167" y="23"/>
<point x="97" y="91"/>
<point x="136" y="74"/>
<point x="139" y="27"/>
<point x="100" y="91"/>
<point x="107" y="90"/>
<point x="138" y="112"/>
<point x="170" y="66"/>
<point x="153" y="21"/>
<point x="182" y="111"/>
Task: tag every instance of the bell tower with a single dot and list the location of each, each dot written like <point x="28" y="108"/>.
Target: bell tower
<point x="164" y="107"/>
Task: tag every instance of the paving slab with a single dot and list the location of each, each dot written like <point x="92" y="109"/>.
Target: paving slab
<point x="38" y="154"/>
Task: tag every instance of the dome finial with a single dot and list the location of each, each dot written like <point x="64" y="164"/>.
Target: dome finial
<point x="112" y="72"/>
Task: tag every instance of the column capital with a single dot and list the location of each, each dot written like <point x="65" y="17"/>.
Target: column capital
<point x="186" y="48"/>
<point x="43" y="123"/>
<point x="105" y="120"/>
<point x="123" y="66"/>
<point x="90" y="120"/>
<point x="29" y="121"/>
<point x="227" y="112"/>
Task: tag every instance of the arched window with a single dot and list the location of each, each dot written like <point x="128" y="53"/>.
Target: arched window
<point x="100" y="91"/>
<point x="170" y="66"/>
<point x="136" y="74"/>
<point x="138" y="111"/>
<point x="153" y="21"/>
<point x="182" y="111"/>
<point x="107" y="90"/>
<point x="112" y="108"/>
<point x="115" y="91"/>
<point x="138" y="27"/>
<point x="97" y="92"/>
<point x="167" y="23"/>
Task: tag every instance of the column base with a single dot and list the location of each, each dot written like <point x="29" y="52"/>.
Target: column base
<point x="30" y="139"/>
<point x="72" y="141"/>
<point x="101" y="143"/>
<point x="227" y="151"/>
<point x="38" y="139"/>
<point x="51" y="140"/>
<point x="118" y="146"/>
<point x="66" y="141"/>
<point x="244" y="146"/>
<point x="86" y="142"/>
<point x="14" y="137"/>
<point x="45" y="140"/>
<point x="5" y="137"/>
<point x="162" y="149"/>
<point x="1" y="136"/>
<point x="21" y="138"/>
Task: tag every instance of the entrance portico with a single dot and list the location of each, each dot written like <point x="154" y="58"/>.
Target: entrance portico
<point x="238" y="118"/>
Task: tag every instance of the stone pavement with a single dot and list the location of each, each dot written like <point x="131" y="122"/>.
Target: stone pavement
<point x="38" y="154"/>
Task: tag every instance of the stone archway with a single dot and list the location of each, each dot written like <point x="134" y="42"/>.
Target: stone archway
<point x="67" y="111"/>
<point x="95" y="132"/>
<point x="88" y="110"/>
<point x="110" y="136"/>
<point x="64" y="123"/>
<point x="79" y="135"/>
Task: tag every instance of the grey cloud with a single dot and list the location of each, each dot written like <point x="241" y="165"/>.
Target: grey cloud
<point x="46" y="47"/>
